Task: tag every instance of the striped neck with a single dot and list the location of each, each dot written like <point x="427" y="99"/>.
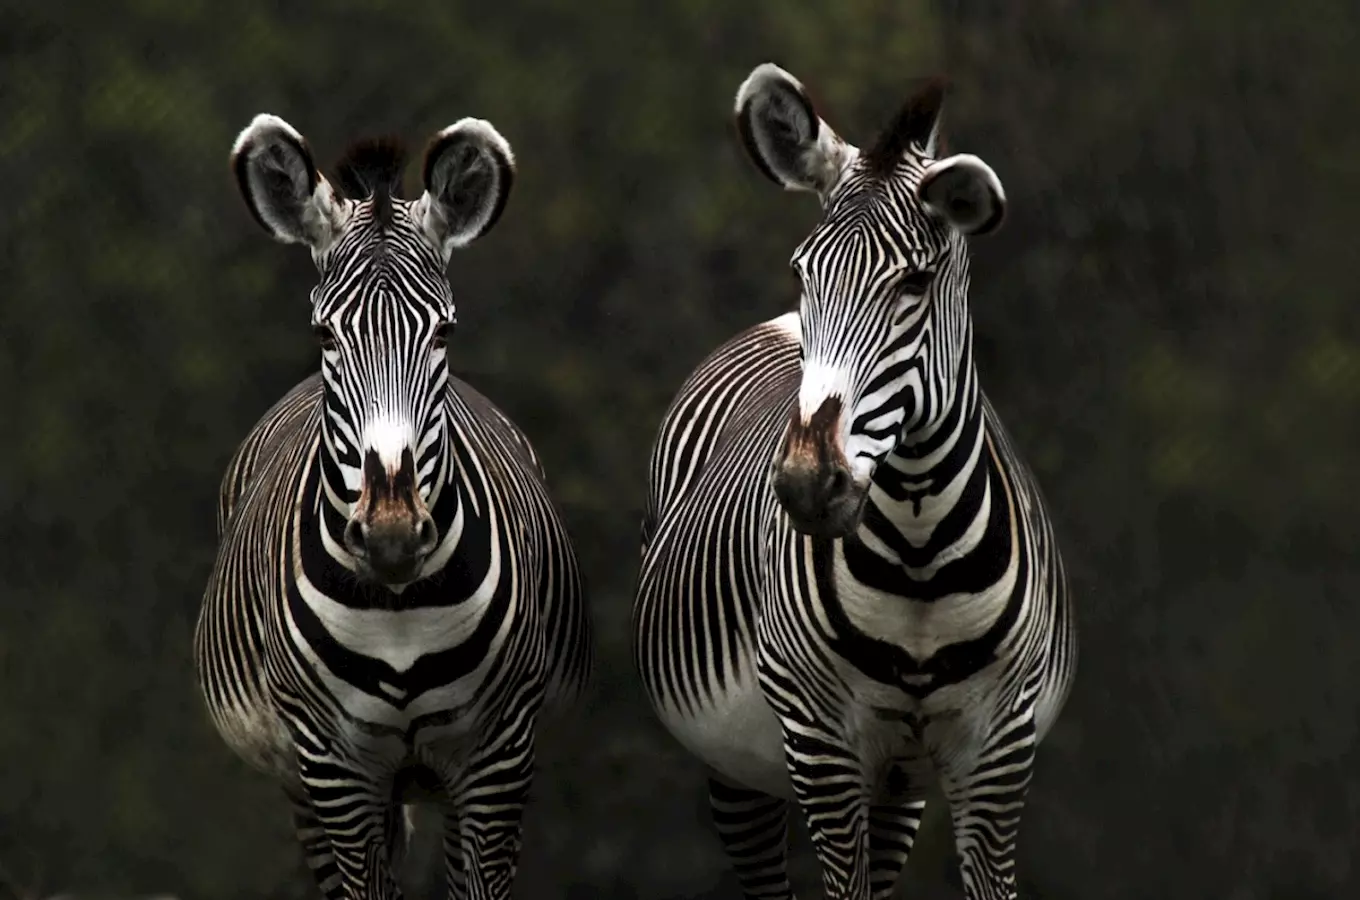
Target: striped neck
<point x="940" y="517"/>
<point x="933" y="470"/>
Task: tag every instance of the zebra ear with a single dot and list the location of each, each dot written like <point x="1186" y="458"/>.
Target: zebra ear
<point x="469" y="170"/>
<point x="784" y="136"/>
<point x="964" y="191"/>
<point x="281" y="185"/>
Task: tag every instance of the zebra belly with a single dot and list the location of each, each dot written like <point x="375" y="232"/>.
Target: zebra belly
<point x="253" y="729"/>
<point x="735" y="733"/>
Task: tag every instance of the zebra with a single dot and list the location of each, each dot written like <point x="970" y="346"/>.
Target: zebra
<point x="395" y="597"/>
<point x="850" y="588"/>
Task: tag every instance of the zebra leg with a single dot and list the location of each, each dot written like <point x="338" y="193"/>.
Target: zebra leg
<point x="453" y="861"/>
<point x="754" y="829"/>
<point x="892" y="831"/>
<point x="316" y="847"/>
<point x="828" y="779"/>
<point x="355" y="818"/>
<point x="985" y="801"/>
<point x="489" y="799"/>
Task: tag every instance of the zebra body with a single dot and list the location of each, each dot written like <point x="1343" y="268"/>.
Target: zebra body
<point x="395" y="598"/>
<point x="850" y="587"/>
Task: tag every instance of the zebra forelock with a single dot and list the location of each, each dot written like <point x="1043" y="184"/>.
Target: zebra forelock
<point x="915" y="125"/>
<point x="372" y="168"/>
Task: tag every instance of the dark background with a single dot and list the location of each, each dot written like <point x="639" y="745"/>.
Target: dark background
<point x="1167" y="324"/>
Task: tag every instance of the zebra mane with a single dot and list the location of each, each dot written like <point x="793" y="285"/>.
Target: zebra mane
<point x="912" y="125"/>
<point x="372" y="167"/>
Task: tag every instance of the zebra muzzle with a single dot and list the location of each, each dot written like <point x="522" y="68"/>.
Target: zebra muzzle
<point x="812" y="479"/>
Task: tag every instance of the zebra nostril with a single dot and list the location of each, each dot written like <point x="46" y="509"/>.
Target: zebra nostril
<point x="355" y="540"/>
<point x="427" y="534"/>
<point x="837" y="482"/>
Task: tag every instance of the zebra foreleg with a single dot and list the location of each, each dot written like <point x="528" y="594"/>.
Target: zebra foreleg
<point x="316" y="847"/>
<point x="355" y="817"/>
<point x="986" y="798"/>
<point x="454" y="874"/>
<point x="892" y="831"/>
<point x="828" y="779"/>
<point x="489" y="798"/>
<point x="754" y="829"/>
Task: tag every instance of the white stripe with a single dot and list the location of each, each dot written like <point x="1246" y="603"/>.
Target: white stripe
<point x="821" y="381"/>
<point x="388" y="437"/>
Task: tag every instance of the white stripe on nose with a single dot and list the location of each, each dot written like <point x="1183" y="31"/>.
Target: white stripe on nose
<point x="820" y="382"/>
<point x="388" y="437"/>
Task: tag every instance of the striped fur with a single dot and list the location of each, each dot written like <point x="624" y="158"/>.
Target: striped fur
<point x="356" y="694"/>
<point x="933" y="640"/>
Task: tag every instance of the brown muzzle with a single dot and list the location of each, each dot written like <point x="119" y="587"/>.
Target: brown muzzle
<point x="812" y="479"/>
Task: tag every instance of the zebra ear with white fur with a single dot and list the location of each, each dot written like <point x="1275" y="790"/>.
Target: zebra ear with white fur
<point x="468" y="172"/>
<point x="784" y="136"/>
<point x="965" y="192"/>
<point x="281" y="185"/>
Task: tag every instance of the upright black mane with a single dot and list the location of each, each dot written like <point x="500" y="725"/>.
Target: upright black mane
<point x="372" y="167"/>
<point x="912" y="125"/>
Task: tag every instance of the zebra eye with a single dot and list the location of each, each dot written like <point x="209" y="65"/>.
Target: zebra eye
<point x="441" y="335"/>
<point x="325" y="336"/>
<point x="916" y="283"/>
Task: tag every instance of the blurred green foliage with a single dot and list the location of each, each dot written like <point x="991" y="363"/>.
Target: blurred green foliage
<point x="1167" y="323"/>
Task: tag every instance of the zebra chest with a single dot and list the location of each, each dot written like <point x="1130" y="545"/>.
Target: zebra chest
<point x="390" y="667"/>
<point x="895" y="650"/>
<point x="921" y="677"/>
<point x="920" y="629"/>
<point x="397" y="638"/>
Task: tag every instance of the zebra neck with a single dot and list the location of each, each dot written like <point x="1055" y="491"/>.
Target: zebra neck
<point x="936" y="521"/>
<point x="919" y="481"/>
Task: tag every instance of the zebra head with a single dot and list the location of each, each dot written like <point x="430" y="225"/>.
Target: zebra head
<point x="883" y="277"/>
<point x="382" y="311"/>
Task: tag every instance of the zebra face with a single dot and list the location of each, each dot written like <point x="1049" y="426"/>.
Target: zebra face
<point x="883" y="281"/>
<point x="382" y="310"/>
